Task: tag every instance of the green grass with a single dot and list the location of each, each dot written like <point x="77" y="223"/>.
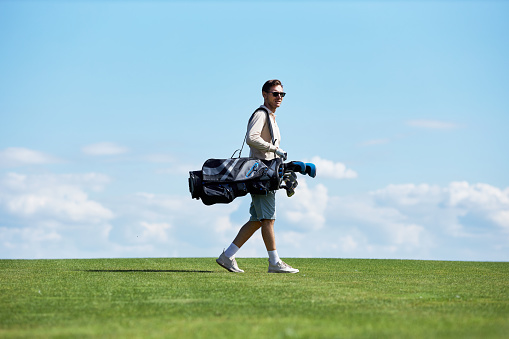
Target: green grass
<point x="195" y="298"/>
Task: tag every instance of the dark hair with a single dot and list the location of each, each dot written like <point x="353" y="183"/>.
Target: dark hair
<point x="269" y="84"/>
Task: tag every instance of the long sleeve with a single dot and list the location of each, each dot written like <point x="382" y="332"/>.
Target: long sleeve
<point x="259" y="139"/>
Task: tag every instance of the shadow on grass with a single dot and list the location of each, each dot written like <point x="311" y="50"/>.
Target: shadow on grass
<point x="149" y="271"/>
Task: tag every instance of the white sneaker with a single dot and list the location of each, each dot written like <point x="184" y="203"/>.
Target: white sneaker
<point x="229" y="264"/>
<point x="282" y="267"/>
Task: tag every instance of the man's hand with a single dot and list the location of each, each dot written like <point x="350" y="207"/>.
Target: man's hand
<point x="281" y="153"/>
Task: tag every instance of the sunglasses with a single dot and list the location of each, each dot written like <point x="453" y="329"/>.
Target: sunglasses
<point x="276" y="94"/>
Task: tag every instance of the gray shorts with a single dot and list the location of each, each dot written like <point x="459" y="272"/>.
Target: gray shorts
<point x="263" y="206"/>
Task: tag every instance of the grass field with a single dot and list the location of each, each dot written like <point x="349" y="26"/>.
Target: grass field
<point x="195" y="298"/>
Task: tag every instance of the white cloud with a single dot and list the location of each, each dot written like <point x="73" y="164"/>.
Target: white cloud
<point x="460" y="221"/>
<point x="460" y="199"/>
<point x="104" y="148"/>
<point x="432" y="124"/>
<point x="329" y="169"/>
<point x="155" y="231"/>
<point x="45" y="240"/>
<point x="52" y="216"/>
<point x="185" y="227"/>
<point x="481" y="199"/>
<point x="408" y="194"/>
<point x="348" y="243"/>
<point x="306" y="208"/>
<point x="59" y="197"/>
<point x="18" y="156"/>
<point x="376" y="229"/>
<point x="477" y="195"/>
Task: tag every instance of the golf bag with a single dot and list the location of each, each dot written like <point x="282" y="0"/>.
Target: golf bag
<point x="223" y="180"/>
<point x="220" y="181"/>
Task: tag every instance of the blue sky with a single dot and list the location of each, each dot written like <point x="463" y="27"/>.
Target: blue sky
<point x="106" y="106"/>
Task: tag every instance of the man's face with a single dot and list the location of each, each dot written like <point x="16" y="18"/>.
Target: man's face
<point x="271" y="101"/>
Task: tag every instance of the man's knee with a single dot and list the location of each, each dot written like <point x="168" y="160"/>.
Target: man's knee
<point x="267" y="222"/>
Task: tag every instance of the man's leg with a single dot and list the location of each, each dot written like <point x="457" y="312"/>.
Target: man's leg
<point x="269" y="238"/>
<point x="227" y="258"/>
<point x="264" y="207"/>
<point x="246" y="232"/>
<point x="268" y="235"/>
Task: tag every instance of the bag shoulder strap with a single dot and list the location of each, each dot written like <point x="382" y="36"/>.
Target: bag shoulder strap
<point x="269" y="122"/>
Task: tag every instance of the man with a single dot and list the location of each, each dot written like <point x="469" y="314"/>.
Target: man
<point x="263" y="207"/>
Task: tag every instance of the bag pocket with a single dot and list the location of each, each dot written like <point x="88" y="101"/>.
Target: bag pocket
<point x="217" y="194"/>
<point x="239" y="189"/>
<point x="195" y="184"/>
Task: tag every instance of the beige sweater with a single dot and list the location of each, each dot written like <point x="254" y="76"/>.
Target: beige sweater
<point x="258" y="136"/>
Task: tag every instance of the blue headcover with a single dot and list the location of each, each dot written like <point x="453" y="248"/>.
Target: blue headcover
<point x="311" y="169"/>
<point x="302" y="168"/>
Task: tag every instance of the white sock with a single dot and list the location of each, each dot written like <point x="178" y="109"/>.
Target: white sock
<point x="231" y="251"/>
<point x="273" y="257"/>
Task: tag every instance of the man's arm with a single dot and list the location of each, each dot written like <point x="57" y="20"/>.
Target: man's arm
<point x="254" y="134"/>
